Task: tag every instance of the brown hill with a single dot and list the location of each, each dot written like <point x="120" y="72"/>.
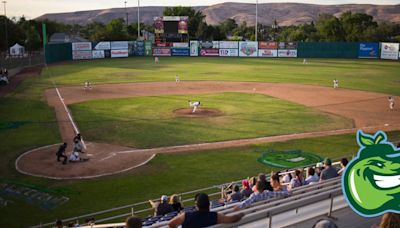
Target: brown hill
<point x="284" y="13"/>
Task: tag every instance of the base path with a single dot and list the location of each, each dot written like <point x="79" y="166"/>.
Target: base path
<point x="369" y="111"/>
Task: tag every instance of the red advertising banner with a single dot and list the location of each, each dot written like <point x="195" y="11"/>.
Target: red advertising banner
<point x="209" y="52"/>
<point x="267" y="45"/>
<point x="161" y="52"/>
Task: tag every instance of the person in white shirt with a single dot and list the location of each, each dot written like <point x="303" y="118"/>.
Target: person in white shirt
<point x="177" y="79"/>
<point x="195" y="105"/>
<point x="335" y="83"/>
<point x="156" y="60"/>
<point x="391" y="102"/>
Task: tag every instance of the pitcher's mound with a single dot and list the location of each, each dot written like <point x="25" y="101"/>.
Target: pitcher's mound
<point x="200" y="112"/>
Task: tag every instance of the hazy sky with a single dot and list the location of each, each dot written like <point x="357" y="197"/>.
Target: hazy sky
<point x="34" y="8"/>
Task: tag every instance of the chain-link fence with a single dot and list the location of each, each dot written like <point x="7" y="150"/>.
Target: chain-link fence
<point x="27" y="60"/>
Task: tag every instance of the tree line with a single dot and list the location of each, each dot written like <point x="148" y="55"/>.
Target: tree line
<point x="349" y="27"/>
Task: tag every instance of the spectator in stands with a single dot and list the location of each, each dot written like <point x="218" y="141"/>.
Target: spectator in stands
<point x="236" y="195"/>
<point x="398" y="145"/>
<point x="261" y="195"/>
<point x="174" y="201"/>
<point x="275" y="182"/>
<point x="133" y="222"/>
<point x="252" y="182"/>
<point x="325" y="223"/>
<point x="246" y="190"/>
<point x="318" y="168"/>
<point x="162" y="207"/>
<point x="61" y="153"/>
<point x="59" y="223"/>
<point x="329" y="171"/>
<point x="312" y="177"/>
<point x="343" y="164"/>
<point x="287" y="178"/>
<point x="202" y="217"/>
<point x="390" y="220"/>
<point x="298" y="179"/>
<point x="266" y="185"/>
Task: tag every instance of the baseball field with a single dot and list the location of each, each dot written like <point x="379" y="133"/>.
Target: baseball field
<point x="144" y="141"/>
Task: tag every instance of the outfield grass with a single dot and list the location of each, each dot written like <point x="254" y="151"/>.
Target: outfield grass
<point x="145" y="122"/>
<point x="370" y="75"/>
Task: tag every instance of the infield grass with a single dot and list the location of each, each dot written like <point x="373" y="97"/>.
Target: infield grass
<point x="145" y="122"/>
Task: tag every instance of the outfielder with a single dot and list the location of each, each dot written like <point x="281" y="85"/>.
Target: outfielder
<point x="88" y="85"/>
<point x="335" y="83"/>
<point x="156" y="60"/>
<point x="177" y="79"/>
<point x="195" y="105"/>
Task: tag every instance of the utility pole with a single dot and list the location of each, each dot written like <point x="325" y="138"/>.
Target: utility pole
<point x="138" y="19"/>
<point x="256" y="29"/>
<point x="5" y="25"/>
<point x="126" y="13"/>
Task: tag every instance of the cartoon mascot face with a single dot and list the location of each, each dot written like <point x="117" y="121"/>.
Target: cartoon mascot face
<point x="371" y="181"/>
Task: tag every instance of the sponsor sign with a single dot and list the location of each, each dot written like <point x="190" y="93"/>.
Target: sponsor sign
<point x="228" y="44"/>
<point x="267" y="53"/>
<point x="171" y="18"/>
<point x="248" y="49"/>
<point x="180" y="51"/>
<point x="103" y="46"/>
<point x="119" y="45"/>
<point x="290" y="45"/>
<point x="180" y="45"/>
<point x="194" y="48"/>
<point x="209" y="52"/>
<point x="267" y="45"/>
<point x="368" y="50"/>
<point x="183" y="25"/>
<point x="209" y="44"/>
<point x="98" y="54"/>
<point x="81" y="55"/>
<point x="161" y="52"/>
<point x="228" y="52"/>
<point x="389" y="51"/>
<point x="82" y="46"/>
<point x="147" y="47"/>
<point x="287" y="53"/>
<point x="119" y="53"/>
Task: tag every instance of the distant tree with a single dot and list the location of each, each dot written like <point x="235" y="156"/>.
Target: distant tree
<point x="355" y="24"/>
<point x="116" y="30"/>
<point x="228" y="26"/>
<point x="329" y="28"/>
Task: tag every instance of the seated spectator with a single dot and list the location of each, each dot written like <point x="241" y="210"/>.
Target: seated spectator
<point x="252" y="182"/>
<point x="312" y="177"/>
<point x="298" y="179"/>
<point x="343" y="164"/>
<point x="318" y="168"/>
<point x="162" y="207"/>
<point x="133" y="222"/>
<point x="390" y="220"/>
<point x="275" y="182"/>
<point x="176" y="205"/>
<point x="59" y="224"/>
<point x="202" y="217"/>
<point x="236" y="195"/>
<point x="329" y="171"/>
<point x="265" y="183"/>
<point x="287" y="178"/>
<point x="261" y="195"/>
<point x="324" y="223"/>
<point x="246" y="190"/>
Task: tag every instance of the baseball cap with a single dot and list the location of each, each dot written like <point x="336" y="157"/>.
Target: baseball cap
<point x="319" y="165"/>
<point x="327" y="161"/>
<point x="164" y="198"/>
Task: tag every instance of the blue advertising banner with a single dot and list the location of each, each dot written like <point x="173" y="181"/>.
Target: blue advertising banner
<point x="139" y="48"/>
<point x="180" y="51"/>
<point x="368" y="50"/>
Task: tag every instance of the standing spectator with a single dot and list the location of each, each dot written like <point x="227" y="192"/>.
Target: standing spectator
<point x="162" y="207"/>
<point x="275" y="182"/>
<point x="174" y="202"/>
<point x="328" y="172"/>
<point x="61" y="153"/>
<point x="343" y="164"/>
<point x="312" y="177"/>
<point x="202" y="217"/>
<point x="298" y="179"/>
<point x="133" y="222"/>
<point x="236" y="195"/>
<point x="246" y="190"/>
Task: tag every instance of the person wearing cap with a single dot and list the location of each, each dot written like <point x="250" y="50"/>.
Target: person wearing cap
<point x="329" y="171"/>
<point x="162" y="207"/>
<point x="203" y="217"/>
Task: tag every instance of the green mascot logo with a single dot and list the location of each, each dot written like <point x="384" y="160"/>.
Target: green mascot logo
<point x="371" y="181"/>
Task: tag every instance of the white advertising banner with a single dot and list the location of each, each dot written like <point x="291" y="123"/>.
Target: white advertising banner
<point x="119" y="53"/>
<point x="267" y="53"/>
<point x="390" y="51"/>
<point x="248" y="49"/>
<point x="77" y="55"/>
<point x="119" y="45"/>
<point x="180" y="45"/>
<point x="215" y="44"/>
<point x="228" y="44"/>
<point x="286" y="53"/>
<point x="194" y="48"/>
<point x="229" y="52"/>
<point x="98" y="54"/>
<point x="103" y="46"/>
<point x="82" y="46"/>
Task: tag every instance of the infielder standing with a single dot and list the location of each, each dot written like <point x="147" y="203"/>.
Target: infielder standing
<point x="391" y="103"/>
<point x="177" y="79"/>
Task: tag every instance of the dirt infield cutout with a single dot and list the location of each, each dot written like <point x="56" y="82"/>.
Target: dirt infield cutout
<point x="200" y="113"/>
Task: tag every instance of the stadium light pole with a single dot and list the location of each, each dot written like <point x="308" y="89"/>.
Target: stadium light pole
<point x="126" y="13"/>
<point x="256" y="20"/>
<point x="5" y="25"/>
<point x="138" y="18"/>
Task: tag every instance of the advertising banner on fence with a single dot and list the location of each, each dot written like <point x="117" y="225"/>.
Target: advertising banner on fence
<point x="139" y="48"/>
<point x="119" y="53"/>
<point x="180" y="51"/>
<point x="82" y="46"/>
<point x="147" y="47"/>
<point x="161" y="51"/>
<point x="76" y="55"/>
<point x="229" y="52"/>
<point x="103" y="46"/>
<point x="209" y="44"/>
<point x="209" y="52"/>
<point x="228" y="44"/>
<point x="180" y="45"/>
<point x="267" y="53"/>
<point x="287" y="53"/>
<point x="119" y="45"/>
<point x="290" y="45"/>
<point x="368" y="50"/>
<point x="194" y="48"/>
<point x="267" y="45"/>
<point x="98" y="54"/>
<point x="389" y="51"/>
<point x="248" y="49"/>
